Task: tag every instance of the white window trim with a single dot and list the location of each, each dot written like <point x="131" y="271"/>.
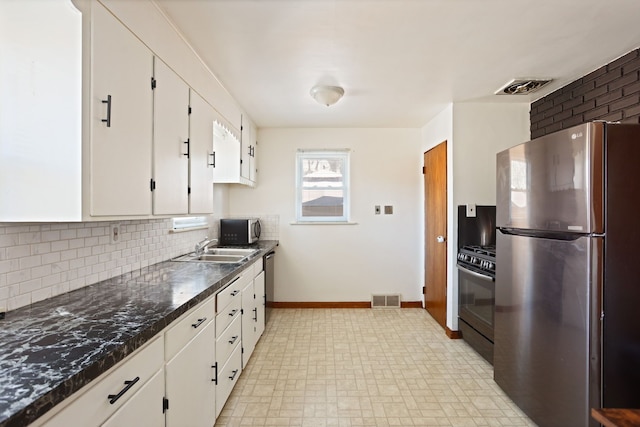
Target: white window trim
<point x="321" y="153"/>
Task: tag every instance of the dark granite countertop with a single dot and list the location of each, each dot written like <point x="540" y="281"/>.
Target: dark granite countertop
<point x="51" y="349"/>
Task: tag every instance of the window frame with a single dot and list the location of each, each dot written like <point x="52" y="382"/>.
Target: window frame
<point x="345" y="156"/>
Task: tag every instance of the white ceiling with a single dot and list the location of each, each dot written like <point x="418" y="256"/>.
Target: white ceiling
<point x="399" y="61"/>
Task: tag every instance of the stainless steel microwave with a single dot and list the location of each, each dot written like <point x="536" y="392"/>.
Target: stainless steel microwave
<point x="239" y="231"/>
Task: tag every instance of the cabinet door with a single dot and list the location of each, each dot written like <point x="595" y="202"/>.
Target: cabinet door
<point x="227" y="149"/>
<point x="246" y="143"/>
<point x="190" y="385"/>
<point x="170" y="142"/>
<point x="261" y="302"/>
<point x="248" y="322"/>
<point x="253" y="158"/>
<point x="121" y="119"/>
<point x="41" y="112"/>
<point x="144" y="408"/>
<point x="202" y="160"/>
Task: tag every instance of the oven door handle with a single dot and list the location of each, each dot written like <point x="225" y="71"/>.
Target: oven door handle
<point x="478" y="275"/>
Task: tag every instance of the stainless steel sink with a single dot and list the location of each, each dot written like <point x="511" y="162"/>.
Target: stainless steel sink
<point x="218" y="255"/>
<point x="230" y="251"/>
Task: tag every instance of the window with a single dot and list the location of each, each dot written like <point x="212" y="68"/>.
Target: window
<point x="322" y="186"/>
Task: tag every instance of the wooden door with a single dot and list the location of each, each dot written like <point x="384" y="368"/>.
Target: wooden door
<point x="435" y="207"/>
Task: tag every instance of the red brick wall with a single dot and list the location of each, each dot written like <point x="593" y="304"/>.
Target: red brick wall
<point x="611" y="93"/>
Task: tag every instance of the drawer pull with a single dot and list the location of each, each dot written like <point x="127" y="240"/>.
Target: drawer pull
<point x="200" y="322"/>
<point x="234" y="293"/>
<point x="108" y="119"/>
<point x="128" y="384"/>
<point x="215" y="370"/>
<point x="233" y="339"/>
<point x="255" y="314"/>
<point x="233" y="374"/>
<point x="233" y="312"/>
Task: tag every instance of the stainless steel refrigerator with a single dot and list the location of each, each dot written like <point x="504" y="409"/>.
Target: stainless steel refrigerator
<point x="567" y="316"/>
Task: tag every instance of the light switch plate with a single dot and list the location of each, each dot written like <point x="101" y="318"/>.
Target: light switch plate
<point x="388" y="210"/>
<point x="114" y="237"/>
<point x="471" y="211"/>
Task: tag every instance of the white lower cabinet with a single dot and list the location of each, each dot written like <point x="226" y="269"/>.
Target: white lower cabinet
<point x="143" y="408"/>
<point x="117" y="388"/>
<point x="190" y="386"/>
<point x="182" y="377"/>
<point x="253" y="312"/>
<point x="228" y="377"/>
<point x="229" y="337"/>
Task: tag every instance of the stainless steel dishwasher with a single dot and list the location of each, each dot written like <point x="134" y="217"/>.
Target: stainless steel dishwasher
<point x="269" y="260"/>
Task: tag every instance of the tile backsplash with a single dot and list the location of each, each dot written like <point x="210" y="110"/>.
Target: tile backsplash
<point x="39" y="261"/>
<point x="43" y="260"/>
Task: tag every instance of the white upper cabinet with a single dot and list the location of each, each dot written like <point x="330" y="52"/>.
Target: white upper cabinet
<point x="235" y="159"/>
<point x="201" y="162"/>
<point x="171" y="145"/>
<point x="121" y="101"/>
<point x="40" y="111"/>
<point x="248" y="153"/>
<point x="227" y="153"/>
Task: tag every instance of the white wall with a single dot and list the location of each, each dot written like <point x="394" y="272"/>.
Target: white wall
<point x="475" y="132"/>
<point x="323" y="263"/>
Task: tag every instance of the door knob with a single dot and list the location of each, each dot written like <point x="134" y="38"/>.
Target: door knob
<point x="440" y="239"/>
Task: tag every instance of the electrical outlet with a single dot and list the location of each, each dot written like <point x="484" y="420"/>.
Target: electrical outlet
<point x="115" y="233"/>
<point x="377" y="210"/>
<point x="471" y="211"/>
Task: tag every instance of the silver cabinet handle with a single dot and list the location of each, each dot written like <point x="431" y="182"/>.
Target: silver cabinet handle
<point x="474" y="274"/>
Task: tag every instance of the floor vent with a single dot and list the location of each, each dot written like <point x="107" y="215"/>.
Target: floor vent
<point x="385" y="301"/>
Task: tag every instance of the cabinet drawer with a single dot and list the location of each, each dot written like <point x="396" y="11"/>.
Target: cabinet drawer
<point x="228" y="315"/>
<point x="188" y="326"/>
<point x="229" y="339"/>
<point x="233" y="290"/>
<point x="227" y="378"/>
<point x="93" y="406"/>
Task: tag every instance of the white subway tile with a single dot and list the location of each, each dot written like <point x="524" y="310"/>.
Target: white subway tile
<point x="30" y="286"/>
<point x="7" y="240"/>
<point x="49" y="236"/>
<point x="71" y="254"/>
<point x="51" y="257"/>
<point x="68" y="234"/>
<point x="19" y="301"/>
<point x="40" y="294"/>
<point x="76" y="243"/>
<point x="61" y="266"/>
<point x="50" y="280"/>
<point x="84" y="232"/>
<point x="30" y="261"/>
<point x="28" y="238"/>
<point x="40" y="248"/>
<point x="18" y="251"/>
<point x="42" y="271"/>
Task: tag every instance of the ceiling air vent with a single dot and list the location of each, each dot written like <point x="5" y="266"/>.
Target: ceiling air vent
<point x="522" y="86"/>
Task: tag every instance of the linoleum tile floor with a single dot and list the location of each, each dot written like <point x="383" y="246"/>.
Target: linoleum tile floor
<point x="365" y="367"/>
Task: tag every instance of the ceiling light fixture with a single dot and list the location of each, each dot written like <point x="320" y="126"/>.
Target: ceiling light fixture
<point x="327" y="95"/>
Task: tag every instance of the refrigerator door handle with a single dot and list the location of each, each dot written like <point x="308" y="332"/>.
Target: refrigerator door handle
<point x="478" y="275"/>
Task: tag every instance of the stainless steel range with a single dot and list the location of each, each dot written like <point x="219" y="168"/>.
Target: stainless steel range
<point x="476" y="290"/>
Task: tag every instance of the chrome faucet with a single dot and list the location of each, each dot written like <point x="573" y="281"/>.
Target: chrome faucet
<point x="202" y="246"/>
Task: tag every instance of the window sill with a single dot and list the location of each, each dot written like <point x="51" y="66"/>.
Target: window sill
<point x="323" y="223"/>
